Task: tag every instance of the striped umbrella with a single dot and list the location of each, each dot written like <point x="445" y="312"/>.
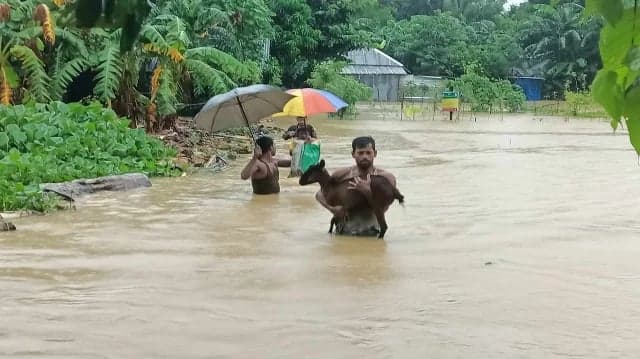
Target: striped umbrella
<point x="309" y="101"/>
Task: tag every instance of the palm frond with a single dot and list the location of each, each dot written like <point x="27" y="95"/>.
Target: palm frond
<point x="151" y="34"/>
<point x="72" y="39"/>
<point x="98" y="31"/>
<point x="167" y="94"/>
<point x="212" y="17"/>
<point x="109" y="73"/>
<point x="29" y="33"/>
<point x="206" y="79"/>
<point x="64" y="73"/>
<point x="176" y="29"/>
<point x="222" y="60"/>
<point x="35" y="72"/>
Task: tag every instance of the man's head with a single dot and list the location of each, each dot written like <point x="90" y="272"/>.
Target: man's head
<point x="266" y="145"/>
<point x="364" y="151"/>
<point x="301" y="120"/>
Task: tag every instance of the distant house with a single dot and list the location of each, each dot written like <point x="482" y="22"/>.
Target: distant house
<point x="377" y="70"/>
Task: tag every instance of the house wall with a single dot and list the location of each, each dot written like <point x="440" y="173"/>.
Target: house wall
<point x="385" y="87"/>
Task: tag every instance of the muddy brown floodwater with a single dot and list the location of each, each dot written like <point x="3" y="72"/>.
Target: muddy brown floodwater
<point x="520" y="238"/>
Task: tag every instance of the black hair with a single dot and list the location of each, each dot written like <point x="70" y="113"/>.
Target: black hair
<point x="265" y="143"/>
<point x="363" y="141"/>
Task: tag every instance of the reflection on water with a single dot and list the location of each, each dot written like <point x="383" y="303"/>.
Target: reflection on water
<point x="518" y="239"/>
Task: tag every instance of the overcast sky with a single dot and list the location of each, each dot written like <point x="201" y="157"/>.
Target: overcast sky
<point x="513" y="2"/>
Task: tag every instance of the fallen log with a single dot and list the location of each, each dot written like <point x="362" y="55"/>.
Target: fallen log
<point x="6" y="226"/>
<point x="77" y="188"/>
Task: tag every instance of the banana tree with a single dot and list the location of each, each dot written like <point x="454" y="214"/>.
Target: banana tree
<point x="185" y="73"/>
<point x="38" y="59"/>
<point x="178" y="72"/>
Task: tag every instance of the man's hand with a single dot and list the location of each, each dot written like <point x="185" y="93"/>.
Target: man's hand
<point x="257" y="152"/>
<point x="361" y="185"/>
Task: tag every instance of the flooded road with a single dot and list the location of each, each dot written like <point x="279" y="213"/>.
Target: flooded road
<point x="519" y="239"/>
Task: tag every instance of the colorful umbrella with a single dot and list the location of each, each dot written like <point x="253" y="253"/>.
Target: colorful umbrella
<point x="308" y="101"/>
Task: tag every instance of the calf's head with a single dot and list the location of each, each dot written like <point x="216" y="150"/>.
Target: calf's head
<point x="313" y="174"/>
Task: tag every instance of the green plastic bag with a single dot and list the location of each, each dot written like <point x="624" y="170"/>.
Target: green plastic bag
<point x="310" y="155"/>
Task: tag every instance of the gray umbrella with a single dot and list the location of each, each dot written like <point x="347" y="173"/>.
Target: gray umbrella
<point x="241" y="106"/>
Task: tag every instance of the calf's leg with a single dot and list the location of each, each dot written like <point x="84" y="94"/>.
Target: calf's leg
<point x="379" y="212"/>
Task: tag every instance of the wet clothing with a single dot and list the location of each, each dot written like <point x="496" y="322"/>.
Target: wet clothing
<point x="269" y="184"/>
<point x="361" y="223"/>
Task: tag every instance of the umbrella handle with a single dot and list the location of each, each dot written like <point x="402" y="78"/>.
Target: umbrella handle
<point x="244" y="115"/>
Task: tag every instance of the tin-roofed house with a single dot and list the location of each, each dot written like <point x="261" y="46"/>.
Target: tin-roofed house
<point x="377" y="70"/>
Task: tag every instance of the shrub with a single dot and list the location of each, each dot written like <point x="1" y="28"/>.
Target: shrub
<point x="58" y="142"/>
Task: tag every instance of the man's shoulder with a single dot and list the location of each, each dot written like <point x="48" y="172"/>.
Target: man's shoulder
<point x="342" y="174"/>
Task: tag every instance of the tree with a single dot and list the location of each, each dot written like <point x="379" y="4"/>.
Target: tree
<point x="309" y="32"/>
<point x="430" y="45"/>
<point x="563" y="45"/>
<point x="616" y="85"/>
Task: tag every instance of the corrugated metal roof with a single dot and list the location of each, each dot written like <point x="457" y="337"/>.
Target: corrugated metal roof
<point x="372" y="61"/>
<point x="373" y="70"/>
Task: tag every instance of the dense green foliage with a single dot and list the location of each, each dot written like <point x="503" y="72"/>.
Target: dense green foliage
<point x="616" y="85"/>
<point x="57" y="142"/>
<point x="282" y="41"/>
<point x="485" y="94"/>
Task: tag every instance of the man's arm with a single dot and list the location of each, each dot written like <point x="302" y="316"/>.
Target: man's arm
<point x="312" y="132"/>
<point x="253" y="169"/>
<point x="337" y="211"/>
<point x="284" y="162"/>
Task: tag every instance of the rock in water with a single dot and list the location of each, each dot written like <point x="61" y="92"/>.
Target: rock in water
<point x="6" y="226"/>
<point x="74" y="189"/>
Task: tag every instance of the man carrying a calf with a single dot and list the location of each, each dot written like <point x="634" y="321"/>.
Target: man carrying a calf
<point x="362" y="222"/>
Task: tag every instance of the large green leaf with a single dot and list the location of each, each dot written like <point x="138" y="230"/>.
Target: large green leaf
<point x="16" y="133"/>
<point x="633" y="59"/>
<point x="611" y="10"/>
<point x="632" y="103"/>
<point x="633" y="126"/>
<point x="4" y="139"/>
<point x="615" y="41"/>
<point x="608" y="93"/>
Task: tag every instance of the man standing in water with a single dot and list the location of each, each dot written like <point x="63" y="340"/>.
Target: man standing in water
<point x="300" y="130"/>
<point x="263" y="167"/>
<point x="362" y="222"/>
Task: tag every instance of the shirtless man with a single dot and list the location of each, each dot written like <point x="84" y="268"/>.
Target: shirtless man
<point x="362" y="222"/>
<point x="263" y="167"/>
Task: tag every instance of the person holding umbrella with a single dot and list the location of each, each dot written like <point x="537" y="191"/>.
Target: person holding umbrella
<point x="262" y="168"/>
<point x="304" y="147"/>
<point x="301" y="130"/>
<point x="241" y="107"/>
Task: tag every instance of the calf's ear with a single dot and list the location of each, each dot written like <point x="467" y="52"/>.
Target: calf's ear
<point x="322" y="163"/>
